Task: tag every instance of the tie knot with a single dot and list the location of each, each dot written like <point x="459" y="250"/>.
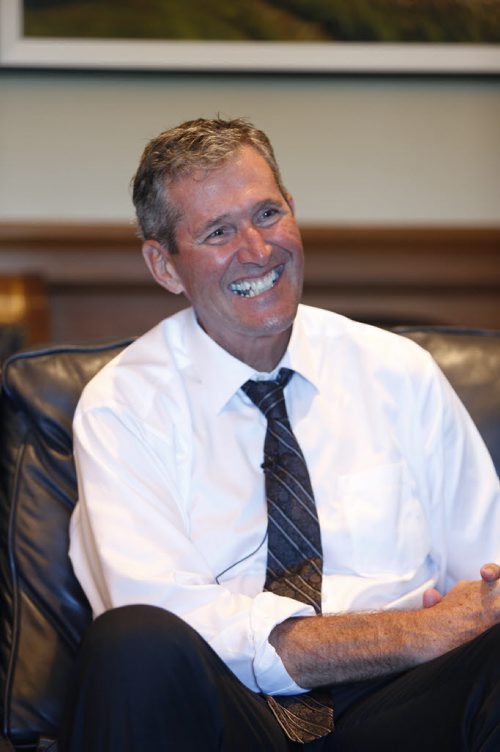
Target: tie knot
<point x="268" y="395"/>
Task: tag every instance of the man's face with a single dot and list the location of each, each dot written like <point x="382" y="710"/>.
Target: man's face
<point x="240" y="258"/>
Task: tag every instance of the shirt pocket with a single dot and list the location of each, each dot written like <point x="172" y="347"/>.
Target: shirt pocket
<point x="385" y="521"/>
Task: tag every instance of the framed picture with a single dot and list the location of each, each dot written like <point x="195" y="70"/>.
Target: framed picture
<point x="387" y="36"/>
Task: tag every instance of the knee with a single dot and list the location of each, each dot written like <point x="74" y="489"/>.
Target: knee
<point x="492" y="638"/>
<point x="138" y="633"/>
<point x="133" y="622"/>
<point x="485" y="652"/>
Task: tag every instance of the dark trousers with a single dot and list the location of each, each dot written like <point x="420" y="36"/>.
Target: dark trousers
<point x="146" y="682"/>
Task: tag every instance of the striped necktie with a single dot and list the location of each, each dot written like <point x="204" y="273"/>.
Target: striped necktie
<point x="294" y="555"/>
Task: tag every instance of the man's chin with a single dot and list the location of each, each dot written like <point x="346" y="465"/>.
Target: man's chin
<point x="270" y="324"/>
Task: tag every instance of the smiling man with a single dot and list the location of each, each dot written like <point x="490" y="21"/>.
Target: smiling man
<point x="240" y="261"/>
<point x="288" y="527"/>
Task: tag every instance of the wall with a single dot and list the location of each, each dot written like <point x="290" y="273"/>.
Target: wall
<point x="352" y="149"/>
<point x="391" y="168"/>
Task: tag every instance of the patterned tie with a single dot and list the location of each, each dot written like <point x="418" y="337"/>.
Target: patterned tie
<point x="294" y="555"/>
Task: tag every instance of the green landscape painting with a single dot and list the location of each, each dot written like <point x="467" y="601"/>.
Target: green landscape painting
<point x="433" y="21"/>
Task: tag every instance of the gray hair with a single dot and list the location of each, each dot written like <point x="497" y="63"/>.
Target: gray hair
<point x="202" y="144"/>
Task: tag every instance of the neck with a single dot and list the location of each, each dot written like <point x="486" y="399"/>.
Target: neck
<point x="265" y="352"/>
<point x="262" y="352"/>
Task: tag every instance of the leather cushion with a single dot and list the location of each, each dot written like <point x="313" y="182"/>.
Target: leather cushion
<point x="43" y="609"/>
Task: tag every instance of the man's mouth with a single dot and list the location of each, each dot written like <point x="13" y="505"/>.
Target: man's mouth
<point x="249" y="288"/>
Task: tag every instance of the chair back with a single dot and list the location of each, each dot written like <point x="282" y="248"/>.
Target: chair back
<point x="43" y="611"/>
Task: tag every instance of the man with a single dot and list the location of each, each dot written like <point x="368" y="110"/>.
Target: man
<point x="172" y="518"/>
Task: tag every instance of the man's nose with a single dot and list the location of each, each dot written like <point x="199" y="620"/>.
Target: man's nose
<point x="253" y="246"/>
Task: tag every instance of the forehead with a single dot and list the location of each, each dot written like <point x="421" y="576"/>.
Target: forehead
<point x="243" y="176"/>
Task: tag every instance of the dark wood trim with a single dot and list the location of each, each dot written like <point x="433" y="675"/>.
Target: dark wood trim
<point x="121" y="236"/>
<point x="57" y="236"/>
<point x="97" y="284"/>
<point x="24" y="306"/>
<point x="394" y="238"/>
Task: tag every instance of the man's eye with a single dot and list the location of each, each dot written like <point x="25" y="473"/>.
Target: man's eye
<point x="220" y="232"/>
<point x="269" y="214"/>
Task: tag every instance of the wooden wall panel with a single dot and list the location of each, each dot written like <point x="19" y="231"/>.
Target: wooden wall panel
<point x="98" y="287"/>
<point x="24" y="309"/>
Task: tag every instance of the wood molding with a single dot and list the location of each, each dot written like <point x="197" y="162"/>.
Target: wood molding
<point x="98" y="285"/>
<point x="24" y="305"/>
<point x="59" y="236"/>
<point x="336" y="255"/>
<point x="121" y="236"/>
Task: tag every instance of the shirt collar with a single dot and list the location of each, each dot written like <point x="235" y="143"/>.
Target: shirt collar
<point x="221" y="374"/>
<point x="302" y="356"/>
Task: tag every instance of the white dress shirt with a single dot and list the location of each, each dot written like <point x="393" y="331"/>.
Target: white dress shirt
<point x="172" y="509"/>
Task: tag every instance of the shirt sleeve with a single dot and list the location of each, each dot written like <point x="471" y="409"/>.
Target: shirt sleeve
<point x="130" y="544"/>
<point x="462" y="483"/>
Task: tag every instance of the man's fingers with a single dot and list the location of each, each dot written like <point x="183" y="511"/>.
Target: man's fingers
<point x="431" y="597"/>
<point x="490" y="572"/>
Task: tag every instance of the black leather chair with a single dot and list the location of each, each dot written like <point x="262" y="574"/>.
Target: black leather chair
<point x="43" y="610"/>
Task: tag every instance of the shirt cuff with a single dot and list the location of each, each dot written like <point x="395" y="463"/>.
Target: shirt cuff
<point x="268" y="610"/>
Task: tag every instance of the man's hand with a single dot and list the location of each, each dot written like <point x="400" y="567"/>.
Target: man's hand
<point x="321" y="650"/>
<point x="489" y="573"/>
<point x="469" y="608"/>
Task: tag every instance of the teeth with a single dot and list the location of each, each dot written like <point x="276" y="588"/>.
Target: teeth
<point x="249" y="288"/>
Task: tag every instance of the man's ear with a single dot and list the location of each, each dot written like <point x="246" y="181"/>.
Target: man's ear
<point x="291" y="202"/>
<point x="159" y="262"/>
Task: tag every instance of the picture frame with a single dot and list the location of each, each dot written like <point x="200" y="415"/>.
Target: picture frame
<point x="19" y="51"/>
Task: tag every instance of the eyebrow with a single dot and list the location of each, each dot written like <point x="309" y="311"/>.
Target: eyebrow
<point x="269" y="202"/>
<point x="221" y="218"/>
